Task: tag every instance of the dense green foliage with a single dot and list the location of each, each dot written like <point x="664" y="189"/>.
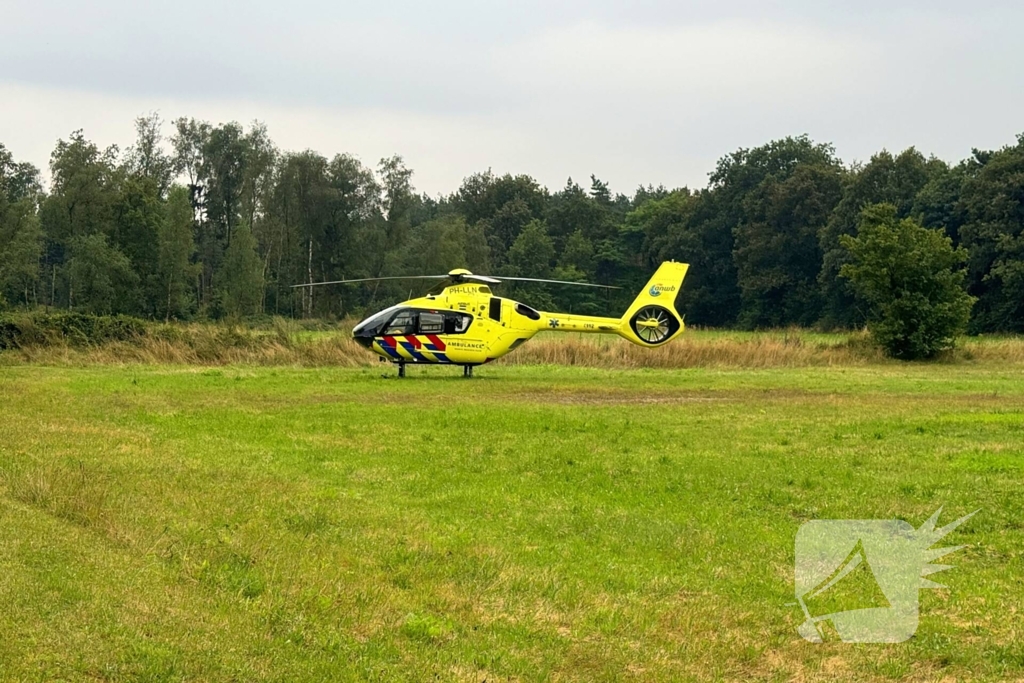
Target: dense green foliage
<point x="912" y="279"/>
<point x="73" y="329"/>
<point x="21" y="240"/>
<point x="116" y="233"/>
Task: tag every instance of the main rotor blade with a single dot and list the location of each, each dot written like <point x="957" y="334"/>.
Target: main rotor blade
<point x="480" y="278"/>
<point x="557" y="282"/>
<point x="472" y="277"/>
<point x="374" y="279"/>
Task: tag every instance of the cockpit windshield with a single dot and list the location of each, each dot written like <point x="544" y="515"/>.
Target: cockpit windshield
<point x="371" y="326"/>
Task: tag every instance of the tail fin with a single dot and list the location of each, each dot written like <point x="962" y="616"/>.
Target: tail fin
<point x="652" y="318"/>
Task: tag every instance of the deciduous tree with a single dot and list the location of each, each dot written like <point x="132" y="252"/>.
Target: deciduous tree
<point x="912" y="280"/>
<point x="21" y="238"/>
<point x="240" y="280"/>
<point x="175" y="271"/>
<point x="992" y="202"/>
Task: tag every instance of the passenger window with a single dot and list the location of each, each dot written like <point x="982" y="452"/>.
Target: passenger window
<point x="456" y="323"/>
<point x="403" y="323"/>
<point x="431" y="323"/>
<point x="495" y="312"/>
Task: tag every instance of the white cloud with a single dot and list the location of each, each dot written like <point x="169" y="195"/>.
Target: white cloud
<point x="633" y="102"/>
<point x="440" y="149"/>
<point x="726" y="62"/>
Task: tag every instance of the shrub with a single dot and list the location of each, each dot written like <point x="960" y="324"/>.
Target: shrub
<point x="912" y="280"/>
<point x="74" y="329"/>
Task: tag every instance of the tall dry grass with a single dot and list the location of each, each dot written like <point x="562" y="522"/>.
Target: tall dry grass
<point x="288" y="343"/>
<point x="1008" y="350"/>
<point x="698" y="351"/>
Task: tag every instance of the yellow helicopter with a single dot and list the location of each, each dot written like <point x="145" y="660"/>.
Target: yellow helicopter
<point x="460" y="321"/>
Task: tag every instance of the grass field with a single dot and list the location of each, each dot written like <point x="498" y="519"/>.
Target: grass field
<point x="168" y="522"/>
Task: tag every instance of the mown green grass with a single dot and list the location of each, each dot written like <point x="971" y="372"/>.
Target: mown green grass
<point x="534" y="523"/>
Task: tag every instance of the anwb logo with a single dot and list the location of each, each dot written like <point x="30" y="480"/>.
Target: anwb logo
<point x="860" y="578"/>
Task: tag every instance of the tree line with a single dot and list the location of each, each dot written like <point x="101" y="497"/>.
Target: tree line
<point x="215" y="221"/>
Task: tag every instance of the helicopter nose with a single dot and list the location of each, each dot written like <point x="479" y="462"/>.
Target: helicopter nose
<point x="363" y="338"/>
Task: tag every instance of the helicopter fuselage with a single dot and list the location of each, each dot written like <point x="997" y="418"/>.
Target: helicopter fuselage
<point x="464" y="324"/>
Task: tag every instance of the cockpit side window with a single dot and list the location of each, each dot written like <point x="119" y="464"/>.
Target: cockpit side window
<point x="413" y="321"/>
<point x="404" y="322"/>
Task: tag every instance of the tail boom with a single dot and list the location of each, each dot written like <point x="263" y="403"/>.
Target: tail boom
<point x="651" y="320"/>
<point x="558" y="322"/>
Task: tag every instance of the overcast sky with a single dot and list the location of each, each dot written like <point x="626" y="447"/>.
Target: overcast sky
<point x="635" y="92"/>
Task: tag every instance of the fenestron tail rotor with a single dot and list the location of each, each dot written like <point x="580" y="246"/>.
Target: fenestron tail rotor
<point x="654" y="324"/>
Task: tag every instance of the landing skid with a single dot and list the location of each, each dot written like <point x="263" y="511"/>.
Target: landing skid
<point x="401" y="371"/>
<point x="467" y="370"/>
